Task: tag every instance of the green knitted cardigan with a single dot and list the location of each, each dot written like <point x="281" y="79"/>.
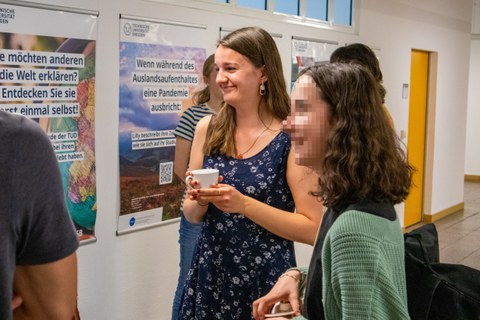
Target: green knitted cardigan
<point x="363" y="269"/>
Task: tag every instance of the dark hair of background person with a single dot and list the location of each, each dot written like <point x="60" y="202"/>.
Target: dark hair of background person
<point x="364" y="158"/>
<point x="363" y="55"/>
<point x="258" y="46"/>
<point x="203" y="96"/>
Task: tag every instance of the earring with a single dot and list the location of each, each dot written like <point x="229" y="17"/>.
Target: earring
<point x="263" y="90"/>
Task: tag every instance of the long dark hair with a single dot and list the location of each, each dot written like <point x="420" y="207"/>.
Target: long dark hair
<point x="203" y="96"/>
<point x="364" y="157"/>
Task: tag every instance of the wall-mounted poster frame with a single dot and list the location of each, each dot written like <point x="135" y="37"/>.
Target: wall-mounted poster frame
<point x="307" y="52"/>
<point x="160" y="69"/>
<point x="47" y="63"/>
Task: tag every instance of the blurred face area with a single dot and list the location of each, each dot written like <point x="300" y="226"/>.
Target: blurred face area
<point x="211" y="82"/>
<point x="237" y="77"/>
<point x="308" y="123"/>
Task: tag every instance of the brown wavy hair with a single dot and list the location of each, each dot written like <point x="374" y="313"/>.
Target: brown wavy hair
<point x="363" y="55"/>
<point x="364" y="157"/>
<point x="202" y="96"/>
<point x="258" y="46"/>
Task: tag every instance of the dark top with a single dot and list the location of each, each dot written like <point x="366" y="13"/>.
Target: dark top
<point x="35" y="227"/>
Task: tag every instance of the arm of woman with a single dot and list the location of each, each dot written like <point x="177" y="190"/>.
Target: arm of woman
<point x="309" y="209"/>
<point x="193" y="210"/>
<point x="287" y="288"/>
<point x="301" y="226"/>
<point x="49" y="291"/>
<point x="182" y="154"/>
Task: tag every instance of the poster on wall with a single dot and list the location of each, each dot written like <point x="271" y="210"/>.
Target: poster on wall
<point x="47" y="73"/>
<point x="309" y="52"/>
<point x="160" y="69"/>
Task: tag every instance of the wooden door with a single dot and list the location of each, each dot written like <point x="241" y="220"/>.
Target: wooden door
<point x="417" y="133"/>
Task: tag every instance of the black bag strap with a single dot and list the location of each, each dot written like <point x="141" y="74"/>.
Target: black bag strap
<point x="428" y="282"/>
<point x="428" y="236"/>
<point x="423" y="251"/>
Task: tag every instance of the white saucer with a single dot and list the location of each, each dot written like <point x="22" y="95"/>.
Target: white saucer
<point x="280" y="314"/>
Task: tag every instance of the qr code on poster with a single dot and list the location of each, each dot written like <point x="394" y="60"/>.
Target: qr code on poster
<point x="166" y="172"/>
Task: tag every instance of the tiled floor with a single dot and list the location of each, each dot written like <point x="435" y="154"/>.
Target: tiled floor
<point x="459" y="233"/>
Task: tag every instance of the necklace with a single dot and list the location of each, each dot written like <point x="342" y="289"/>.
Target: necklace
<point x="240" y="155"/>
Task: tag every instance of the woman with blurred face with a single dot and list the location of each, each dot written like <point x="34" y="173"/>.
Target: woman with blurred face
<point x="311" y="123"/>
<point x="357" y="269"/>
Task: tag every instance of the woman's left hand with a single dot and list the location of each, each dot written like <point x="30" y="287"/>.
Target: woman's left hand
<point x="223" y="196"/>
<point x="286" y="289"/>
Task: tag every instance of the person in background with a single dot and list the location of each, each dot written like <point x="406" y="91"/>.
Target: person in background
<point x="357" y="270"/>
<point x="363" y="55"/>
<point x="248" y="221"/>
<point x="206" y="101"/>
<point x="38" y="243"/>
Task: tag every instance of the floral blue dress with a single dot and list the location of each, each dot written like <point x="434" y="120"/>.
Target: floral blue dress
<point x="237" y="261"/>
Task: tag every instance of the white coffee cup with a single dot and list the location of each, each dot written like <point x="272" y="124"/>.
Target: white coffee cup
<point x="282" y="306"/>
<point x="206" y="177"/>
<point x="281" y="309"/>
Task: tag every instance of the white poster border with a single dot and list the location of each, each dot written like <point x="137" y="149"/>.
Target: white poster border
<point x="26" y="20"/>
<point x="134" y="29"/>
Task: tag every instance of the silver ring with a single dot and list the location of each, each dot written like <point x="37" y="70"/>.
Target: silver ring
<point x="219" y="193"/>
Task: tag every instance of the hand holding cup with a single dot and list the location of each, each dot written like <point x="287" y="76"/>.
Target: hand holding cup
<point x="205" y="177"/>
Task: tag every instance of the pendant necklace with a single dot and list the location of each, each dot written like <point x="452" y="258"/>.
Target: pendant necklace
<point x="240" y="155"/>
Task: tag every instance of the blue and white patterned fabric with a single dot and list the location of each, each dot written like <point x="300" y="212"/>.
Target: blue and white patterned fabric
<point x="237" y="261"/>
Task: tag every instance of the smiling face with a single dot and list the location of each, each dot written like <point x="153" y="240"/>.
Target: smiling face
<point x="237" y="77"/>
<point x="308" y="123"/>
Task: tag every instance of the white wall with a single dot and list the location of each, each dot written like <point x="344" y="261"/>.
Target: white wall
<point x="134" y="276"/>
<point x="472" y="156"/>
<point x="398" y="27"/>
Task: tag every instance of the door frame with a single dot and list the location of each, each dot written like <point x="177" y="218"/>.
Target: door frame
<point x="430" y="136"/>
<point x="426" y="206"/>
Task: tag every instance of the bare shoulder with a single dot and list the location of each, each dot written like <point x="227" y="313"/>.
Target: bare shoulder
<point x="202" y="125"/>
